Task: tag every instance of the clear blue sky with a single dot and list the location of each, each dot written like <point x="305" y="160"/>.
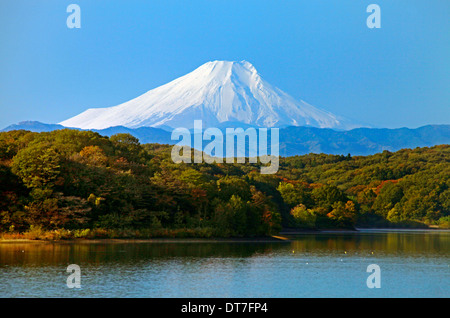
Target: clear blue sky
<point x="318" y="51"/>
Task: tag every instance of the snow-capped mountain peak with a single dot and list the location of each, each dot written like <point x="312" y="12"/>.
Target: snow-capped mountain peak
<point x="216" y="92"/>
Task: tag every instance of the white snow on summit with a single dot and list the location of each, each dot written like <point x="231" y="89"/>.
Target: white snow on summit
<point x="216" y="92"/>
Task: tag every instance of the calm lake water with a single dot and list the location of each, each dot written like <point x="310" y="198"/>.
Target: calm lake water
<point x="412" y="263"/>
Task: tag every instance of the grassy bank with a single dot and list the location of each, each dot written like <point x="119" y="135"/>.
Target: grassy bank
<point x="36" y="233"/>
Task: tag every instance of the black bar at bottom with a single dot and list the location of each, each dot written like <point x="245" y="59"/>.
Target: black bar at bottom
<point x="214" y="306"/>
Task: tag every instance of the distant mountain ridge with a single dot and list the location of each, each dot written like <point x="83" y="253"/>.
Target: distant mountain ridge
<point x="299" y="140"/>
<point x="360" y="141"/>
<point x="144" y="134"/>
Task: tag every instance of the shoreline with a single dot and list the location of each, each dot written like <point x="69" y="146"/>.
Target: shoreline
<point x="284" y="236"/>
<point x="271" y="239"/>
<point x="363" y="230"/>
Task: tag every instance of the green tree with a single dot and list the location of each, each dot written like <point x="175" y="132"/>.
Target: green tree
<point x="37" y="165"/>
<point x="295" y="194"/>
<point x="303" y="216"/>
<point x="389" y="196"/>
<point x="231" y="185"/>
<point x="127" y="146"/>
<point x="328" y="195"/>
<point x="343" y="213"/>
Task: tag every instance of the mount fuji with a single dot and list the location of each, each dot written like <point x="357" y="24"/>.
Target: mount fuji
<point x="218" y="93"/>
<point x="232" y="94"/>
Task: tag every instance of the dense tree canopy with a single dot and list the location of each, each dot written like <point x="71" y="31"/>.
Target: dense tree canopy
<point x="81" y="181"/>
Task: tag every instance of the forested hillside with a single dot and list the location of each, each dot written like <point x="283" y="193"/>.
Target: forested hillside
<point x="69" y="184"/>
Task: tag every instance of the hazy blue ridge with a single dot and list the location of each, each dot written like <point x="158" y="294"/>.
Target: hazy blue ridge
<point x="299" y="140"/>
